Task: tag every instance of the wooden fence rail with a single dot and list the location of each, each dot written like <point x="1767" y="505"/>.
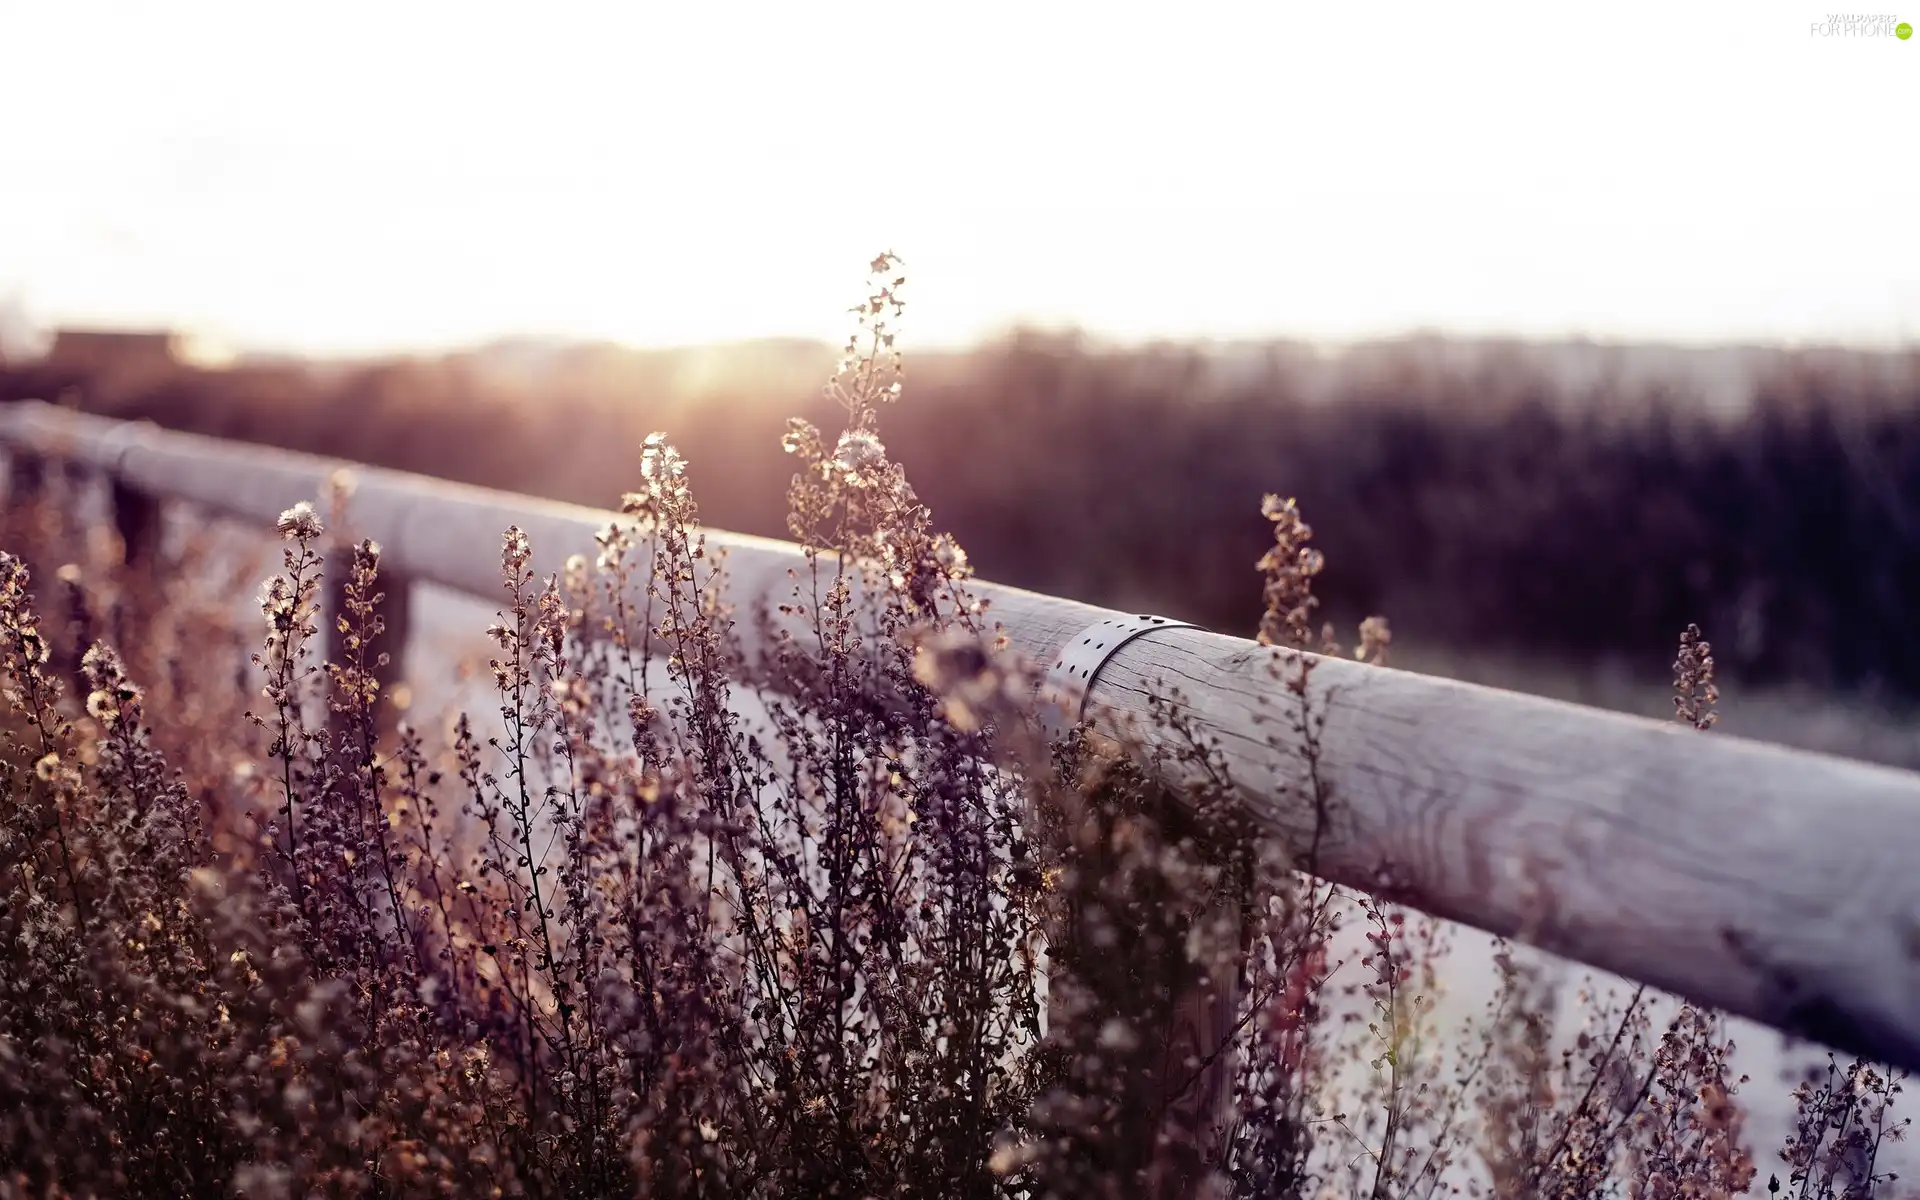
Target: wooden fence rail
<point x="1774" y="884"/>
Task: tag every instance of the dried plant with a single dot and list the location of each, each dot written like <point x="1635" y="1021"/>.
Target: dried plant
<point x="1694" y="692"/>
<point x="683" y="919"/>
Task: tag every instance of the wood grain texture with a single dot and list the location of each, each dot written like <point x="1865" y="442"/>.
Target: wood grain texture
<point x="1775" y="884"/>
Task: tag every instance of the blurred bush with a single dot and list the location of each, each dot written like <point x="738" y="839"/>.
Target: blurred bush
<point x="1486" y="500"/>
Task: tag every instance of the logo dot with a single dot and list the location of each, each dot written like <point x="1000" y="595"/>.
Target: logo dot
<point x="1903" y="31"/>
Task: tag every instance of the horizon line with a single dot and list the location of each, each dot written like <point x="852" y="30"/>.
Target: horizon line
<point x="1086" y="336"/>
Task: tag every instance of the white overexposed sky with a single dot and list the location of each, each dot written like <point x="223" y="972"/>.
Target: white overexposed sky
<point x="365" y="176"/>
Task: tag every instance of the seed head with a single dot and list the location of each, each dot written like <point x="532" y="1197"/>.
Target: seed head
<point x="299" y="523"/>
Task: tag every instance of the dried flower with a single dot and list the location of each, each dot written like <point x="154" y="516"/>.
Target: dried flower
<point x="1694" y="692"/>
<point x="299" y="523"/>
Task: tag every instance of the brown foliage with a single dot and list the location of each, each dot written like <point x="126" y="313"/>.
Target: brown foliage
<point x="628" y="941"/>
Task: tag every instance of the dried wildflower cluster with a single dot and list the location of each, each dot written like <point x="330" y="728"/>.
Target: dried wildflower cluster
<point x="831" y="920"/>
<point x="1289" y="568"/>
<point x="1694" y="692"/>
<point x="622" y="942"/>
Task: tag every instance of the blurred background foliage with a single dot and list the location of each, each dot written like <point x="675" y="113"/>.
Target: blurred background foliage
<point x="1567" y="504"/>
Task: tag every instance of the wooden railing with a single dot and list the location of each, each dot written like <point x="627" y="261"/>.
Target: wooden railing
<point x="1774" y="884"/>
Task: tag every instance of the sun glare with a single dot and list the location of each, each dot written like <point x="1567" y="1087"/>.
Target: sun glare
<point x="360" y="178"/>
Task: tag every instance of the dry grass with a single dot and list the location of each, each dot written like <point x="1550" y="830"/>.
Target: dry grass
<point x="886" y="942"/>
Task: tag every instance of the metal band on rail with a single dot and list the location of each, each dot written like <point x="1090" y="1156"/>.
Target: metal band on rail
<point x="117" y="442"/>
<point x="1071" y="678"/>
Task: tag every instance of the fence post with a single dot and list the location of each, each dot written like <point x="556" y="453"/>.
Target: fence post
<point x="1205" y="1006"/>
<point x="138" y="518"/>
<point x="26" y="492"/>
<point x="1183" y="1108"/>
<point x="1140" y="998"/>
<point x="30" y="529"/>
<point x="26" y="480"/>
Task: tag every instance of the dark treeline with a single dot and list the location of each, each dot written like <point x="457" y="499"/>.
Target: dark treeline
<point x="1487" y="504"/>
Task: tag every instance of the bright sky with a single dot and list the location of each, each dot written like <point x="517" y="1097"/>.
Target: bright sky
<point x="364" y="176"/>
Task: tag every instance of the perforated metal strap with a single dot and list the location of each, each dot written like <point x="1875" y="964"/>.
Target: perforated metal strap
<point x="1071" y="678"/>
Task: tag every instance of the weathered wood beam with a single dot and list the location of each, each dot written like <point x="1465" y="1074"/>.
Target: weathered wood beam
<point x="1775" y="884"/>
